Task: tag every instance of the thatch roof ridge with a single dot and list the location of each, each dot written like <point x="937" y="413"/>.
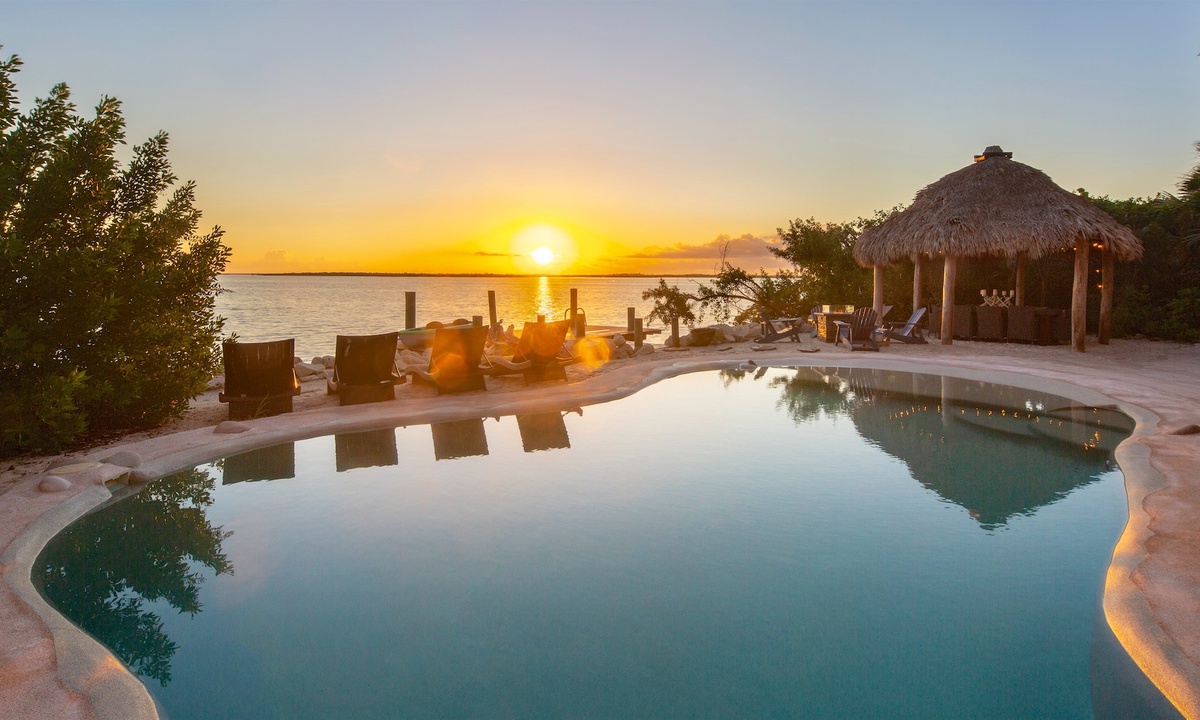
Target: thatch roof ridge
<point x="996" y="207"/>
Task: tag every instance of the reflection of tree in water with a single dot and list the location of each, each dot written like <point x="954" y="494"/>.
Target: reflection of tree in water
<point x="103" y="569"/>
<point x="806" y="396"/>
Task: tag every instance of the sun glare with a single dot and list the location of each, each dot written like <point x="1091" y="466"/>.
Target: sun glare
<point x="542" y="248"/>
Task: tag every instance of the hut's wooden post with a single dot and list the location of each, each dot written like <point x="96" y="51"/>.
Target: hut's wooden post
<point x="492" y="307"/>
<point x="877" y="297"/>
<point x="1021" y="260"/>
<point x="410" y="310"/>
<point x="1079" y="293"/>
<point x="1106" y="294"/>
<point x="948" y="300"/>
<point x="916" y="282"/>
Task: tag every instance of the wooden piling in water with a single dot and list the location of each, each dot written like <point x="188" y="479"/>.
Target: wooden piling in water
<point x="574" y="315"/>
<point x="410" y="310"/>
<point x="477" y="320"/>
<point x="492" y="307"/>
<point x="639" y="333"/>
<point x="675" y="332"/>
<point x="630" y="313"/>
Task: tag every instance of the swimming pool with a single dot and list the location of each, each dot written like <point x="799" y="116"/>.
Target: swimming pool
<point x="816" y="542"/>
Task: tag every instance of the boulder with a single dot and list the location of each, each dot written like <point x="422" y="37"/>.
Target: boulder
<point x="54" y="483"/>
<point x="618" y="340"/>
<point x="670" y="342"/>
<point x="751" y="331"/>
<point x="325" y="361"/>
<point x="645" y="349"/>
<point x="305" y="371"/>
<point x="407" y="357"/>
<point x="217" y="383"/>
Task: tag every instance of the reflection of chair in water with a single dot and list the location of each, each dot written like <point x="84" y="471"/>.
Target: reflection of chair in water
<point x="373" y="448"/>
<point x="543" y="431"/>
<point x="260" y="378"/>
<point x="364" y="368"/>
<point x="461" y="438"/>
<point x="455" y="358"/>
<point x="539" y="355"/>
<point x="277" y="462"/>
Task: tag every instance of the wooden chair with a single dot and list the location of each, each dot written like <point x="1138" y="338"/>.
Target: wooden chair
<point x="539" y="355"/>
<point x="260" y="378"/>
<point x="364" y="368"/>
<point x="775" y="329"/>
<point x="454" y="361"/>
<point x="907" y="333"/>
<point x="856" y="334"/>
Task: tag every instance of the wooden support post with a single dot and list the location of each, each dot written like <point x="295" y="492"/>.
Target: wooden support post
<point x="574" y="314"/>
<point x="674" y="332"/>
<point x="477" y="320"/>
<point x="1079" y="294"/>
<point x="916" y="282"/>
<point x="638" y="334"/>
<point x="1106" y="294"/>
<point x="1022" y="259"/>
<point x="948" y="300"/>
<point x="630" y="317"/>
<point x="541" y="319"/>
<point x="492" y="320"/>
<point x="877" y="297"/>
<point x="410" y="310"/>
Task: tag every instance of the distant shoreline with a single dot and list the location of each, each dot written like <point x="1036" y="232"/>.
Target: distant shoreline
<point x="450" y="275"/>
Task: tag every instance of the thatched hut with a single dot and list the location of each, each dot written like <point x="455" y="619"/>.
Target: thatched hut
<point x="1000" y="208"/>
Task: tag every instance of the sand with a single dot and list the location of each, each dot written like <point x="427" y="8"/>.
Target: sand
<point x="1152" y="599"/>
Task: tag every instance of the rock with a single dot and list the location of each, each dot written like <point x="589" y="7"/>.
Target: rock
<point x="408" y="357"/>
<point x="685" y="340"/>
<point x="54" y="483"/>
<point x="325" y="361"/>
<point x="217" y="383"/>
<point x="645" y="349"/>
<point x="124" y="458"/>
<point x="305" y="371"/>
<point x="726" y="336"/>
<point x="621" y="352"/>
<point x="296" y="360"/>
<point x="230" y="427"/>
<point x="618" y="340"/>
<point x="751" y="331"/>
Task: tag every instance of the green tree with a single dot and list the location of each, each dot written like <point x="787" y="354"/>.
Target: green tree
<point x="106" y="289"/>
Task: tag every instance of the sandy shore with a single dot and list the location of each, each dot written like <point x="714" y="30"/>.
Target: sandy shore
<point x="1154" y="582"/>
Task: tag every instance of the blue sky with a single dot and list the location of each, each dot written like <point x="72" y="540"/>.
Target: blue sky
<point x="396" y="136"/>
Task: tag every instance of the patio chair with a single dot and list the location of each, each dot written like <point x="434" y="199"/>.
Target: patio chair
<point x="856" y="334"/>
<point x="539" y="355"/>
<point x="364" y="369"/>
<point x="260" y="378"/>
<point x="907" y="333"/>
<point x="454" y="361"/>
<point x="775" y="329"/>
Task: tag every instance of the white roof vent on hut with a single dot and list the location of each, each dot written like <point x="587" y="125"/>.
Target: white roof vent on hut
<point x="993" y="151"/>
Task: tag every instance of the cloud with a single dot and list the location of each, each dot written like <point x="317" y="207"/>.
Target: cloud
<point x="746" y="246"/>
<point x="275" y="257"/>
<point x="484" y="253"/>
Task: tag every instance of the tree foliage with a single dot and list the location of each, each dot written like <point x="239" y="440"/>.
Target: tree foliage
<point x="106" y="289"/>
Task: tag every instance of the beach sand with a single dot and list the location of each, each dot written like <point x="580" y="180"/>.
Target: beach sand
<point x="1163" y="573"/>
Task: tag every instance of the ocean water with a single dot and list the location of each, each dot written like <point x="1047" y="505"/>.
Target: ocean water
<point x="315" y="309"/>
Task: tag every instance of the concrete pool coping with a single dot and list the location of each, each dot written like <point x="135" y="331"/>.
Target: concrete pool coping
<point x="51" y="668"/>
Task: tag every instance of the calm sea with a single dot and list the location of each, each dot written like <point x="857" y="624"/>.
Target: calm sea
<point x="315" y="309"/>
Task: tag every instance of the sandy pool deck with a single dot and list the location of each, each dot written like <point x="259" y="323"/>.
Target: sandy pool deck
<point x="50" y="669"/>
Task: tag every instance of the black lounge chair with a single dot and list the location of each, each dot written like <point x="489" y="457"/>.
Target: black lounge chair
<point x="539" y="355"/>
<point x="856" y="334"/>
<point x="775" y="329"/>
<point x="454" y="361"/>
<point x="907" y="333"/>
<point x="364" y="369"/>
<point x="260" y="378"/>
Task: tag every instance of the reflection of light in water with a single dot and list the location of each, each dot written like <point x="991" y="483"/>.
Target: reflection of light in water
<point x="545" y="302"/>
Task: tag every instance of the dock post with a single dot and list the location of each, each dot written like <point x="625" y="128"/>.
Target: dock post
<point x="629" y="324"/>
<point x="574" y="315"/>
<point x="541" y="319"/>
<point x="492" y="307"/>
<point x="638" y="334"/>
<point x="410" y="310"/>
<point x="477" y="320"/>
<point x="675" y="332"/>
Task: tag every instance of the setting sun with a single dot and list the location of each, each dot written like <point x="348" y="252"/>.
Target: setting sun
<point x="543" y="247"/>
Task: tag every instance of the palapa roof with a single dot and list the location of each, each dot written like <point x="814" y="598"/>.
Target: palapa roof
<point x="995" y="206"/>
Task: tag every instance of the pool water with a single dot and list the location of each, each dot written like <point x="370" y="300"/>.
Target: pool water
<point x="812" y="542"/>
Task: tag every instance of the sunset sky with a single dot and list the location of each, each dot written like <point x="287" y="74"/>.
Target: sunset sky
<point x="618" y="136"/>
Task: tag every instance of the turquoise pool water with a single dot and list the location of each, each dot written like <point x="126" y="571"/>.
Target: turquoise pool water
<point x="816" y="543"/>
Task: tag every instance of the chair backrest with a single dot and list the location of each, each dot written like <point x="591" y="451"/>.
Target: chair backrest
<point x="457" y="351"/>
<point x="366" y="359"/>
<point x="259" y="369"/>
<point x="911" y="325"/>
<point x="541" y="343"/>
<point x="862" y="323"/>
